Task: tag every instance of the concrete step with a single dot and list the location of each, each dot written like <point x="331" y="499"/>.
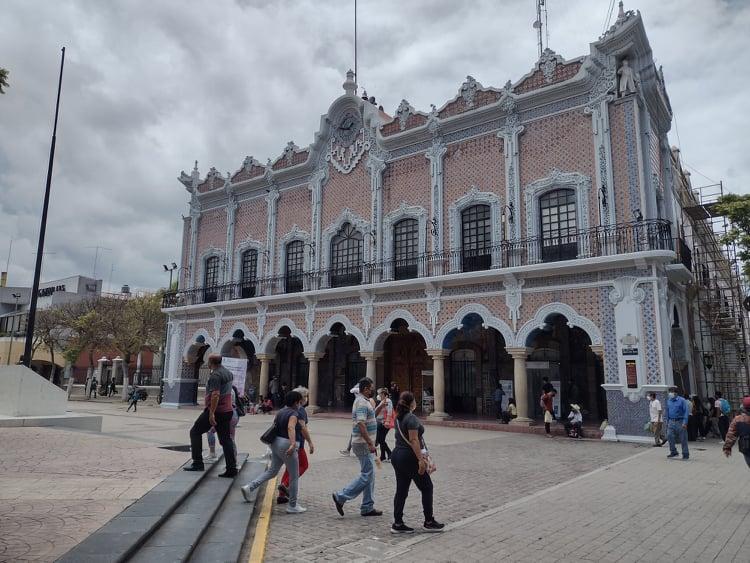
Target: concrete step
<point x="119" y="538"/>
<point x="222" y="541"/>
<point x="178" y="536"/>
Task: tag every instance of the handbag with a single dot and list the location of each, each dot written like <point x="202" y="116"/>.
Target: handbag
<point x="430" y="466"/>
<point x="270" y="435"/>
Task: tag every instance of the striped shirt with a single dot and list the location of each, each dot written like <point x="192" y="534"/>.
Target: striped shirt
<point x="363" y="411"/>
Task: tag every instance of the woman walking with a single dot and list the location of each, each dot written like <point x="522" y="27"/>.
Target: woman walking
<point x="302" y="435"/>
<point x="385" y="423"/>
<point x="283" y="452"/>
<point x="409" y="460"/>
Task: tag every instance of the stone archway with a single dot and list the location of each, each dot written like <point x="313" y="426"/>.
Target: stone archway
<point x="405" y="362"/>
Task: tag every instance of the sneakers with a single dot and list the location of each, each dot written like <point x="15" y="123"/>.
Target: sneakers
<point x="210" y="457"/>
<point x="247" y="490"/>
<point x="295" y="509"/>
<point x="345" y="453"/>
<point x="433" y="526"/>
<point x="675" y="454"/>
<point x="373" y="512"/>
<point x="338" y="503"/>
<point x="229" y="473"/>
<point x="401" y="529"/>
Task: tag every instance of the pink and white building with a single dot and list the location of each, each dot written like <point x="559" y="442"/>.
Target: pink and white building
<point x="513" y="233"/>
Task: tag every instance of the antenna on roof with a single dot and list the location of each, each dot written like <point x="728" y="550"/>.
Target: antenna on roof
<point x="356" y="76"/>
<point x="541" y="10"/>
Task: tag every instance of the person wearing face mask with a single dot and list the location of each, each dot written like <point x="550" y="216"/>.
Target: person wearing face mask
<point x="364" y="430"/>
<point x="678" y="410"/>
<point x="655" y="416"/>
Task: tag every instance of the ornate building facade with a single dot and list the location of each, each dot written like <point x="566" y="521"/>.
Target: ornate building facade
<point x="511" y="234"/>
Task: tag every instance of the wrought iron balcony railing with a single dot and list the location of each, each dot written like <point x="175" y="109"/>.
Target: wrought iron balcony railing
<point x="598" y="242"/>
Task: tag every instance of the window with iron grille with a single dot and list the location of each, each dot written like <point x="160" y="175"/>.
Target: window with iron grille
<point x="295" y="265"/>
<point x="405" y="248"/>
<point x="346" y="252"/>
<point x="558" y="225"/>
<point x="476" y="238"/>
<point x="211" y="275"/>
<point x="248" y="273"/>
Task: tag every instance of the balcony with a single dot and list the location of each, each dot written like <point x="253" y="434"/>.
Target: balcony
<point x="599" y="242"/>
<point x="682" y="269"/>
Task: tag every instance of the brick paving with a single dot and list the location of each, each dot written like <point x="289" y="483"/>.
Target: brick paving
<point x="525" y="498"/>
<point x="58" y="486"/>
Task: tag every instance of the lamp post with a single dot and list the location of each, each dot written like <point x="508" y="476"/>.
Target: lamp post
<point x="16" y="296"/>
<point x="708" y="363"/>
<point x="171" y="270"/>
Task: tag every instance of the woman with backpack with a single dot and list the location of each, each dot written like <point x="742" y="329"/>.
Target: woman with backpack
<point x="238" y="410"/>
<point x="385" y="419"/>
<point x="411" y="462"/>
<point x="283" y="451"/>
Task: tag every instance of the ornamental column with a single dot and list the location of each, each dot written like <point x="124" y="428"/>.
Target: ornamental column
<point x="520" y="384"/>
<point x="265" y="366"/>
<point x="372" y="365"/>
<point x="313" y="359"/>
<point x="438" y="382"/>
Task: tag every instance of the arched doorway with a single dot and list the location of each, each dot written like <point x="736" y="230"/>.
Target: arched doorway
<point x="341" y="367"/>
<point x="406" y="361"/>
<point x="194" y="368"/>
<point x="563" y="355"/>
<point x="289" y="363"/>
<point x="680" y="369"/>
<point x="476" y="363"/>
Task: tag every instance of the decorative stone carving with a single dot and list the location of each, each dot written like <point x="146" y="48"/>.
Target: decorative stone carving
<point x="289" y="151"/>
<point x="249" y="162"/>
<point x="367" y="300"/>
<point x="435" y="154"/>
<point x="218" y="314"/>
<point x="434" y="304"/>
<point x="317" y="181"/>
<point x="574" y="320"/>
<point x="627" y="286"/>
<point x="262" y="312"/>
<point x="402" y="113"/>
<point x="310" y="304"/>
<point x="513" y="298"/>
<point x="348" y="143"/>
<point x="547" y="64"/>
<point x="627" y="79"/>
<point x="468" y="91"/>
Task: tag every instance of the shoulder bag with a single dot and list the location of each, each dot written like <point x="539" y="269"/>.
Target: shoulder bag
<point x="430" y="466"/>
<point x="271" y="434"/>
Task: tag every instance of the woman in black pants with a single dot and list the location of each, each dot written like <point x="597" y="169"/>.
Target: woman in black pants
<point x="409" y="460"/>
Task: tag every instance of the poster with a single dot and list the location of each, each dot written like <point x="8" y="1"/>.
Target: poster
<point x="556" y="400"/>
<point x="631" y="371"/>
<point x="238" y="367"/>
<point x="507" y="385"/>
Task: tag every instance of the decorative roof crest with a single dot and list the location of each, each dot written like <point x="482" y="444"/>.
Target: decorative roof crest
<point x="403" y="112"/>
<point x="468" y="90"/>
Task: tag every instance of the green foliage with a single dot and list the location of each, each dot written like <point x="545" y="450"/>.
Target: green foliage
<point x="737" y="209"/>
<point x="3" y="80"/>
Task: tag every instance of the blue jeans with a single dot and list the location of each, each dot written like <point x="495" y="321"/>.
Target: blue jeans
<point x="365" y="483"/>
<point x="675" y="431"/>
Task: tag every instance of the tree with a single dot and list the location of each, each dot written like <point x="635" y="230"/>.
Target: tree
<point x="3" y="80"/>
<point x="87" y="329"/>
<point x="736" y="208"/>
<point x="49" y="331"/>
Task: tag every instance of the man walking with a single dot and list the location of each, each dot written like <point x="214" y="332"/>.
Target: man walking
<point x="364" y="428"/>
<point x="217" y="413"/>
<point x="722" y="410"/>
<point x="678" y="410"/>
<point x="273" y="389"/>
<point x="497" y="397"/>
<point x="739" y="431"/>
<point x="655" y="417"/>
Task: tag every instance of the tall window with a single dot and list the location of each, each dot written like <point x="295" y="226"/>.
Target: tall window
<point x="248" y="273"/>
<point x="211" y="279"/>
<point x="346" y="253"/>
<point x="476" y="238"/>
<point x="295" y="265"/>
<point x="557" y="212"/>
<point x="405" y="249"/>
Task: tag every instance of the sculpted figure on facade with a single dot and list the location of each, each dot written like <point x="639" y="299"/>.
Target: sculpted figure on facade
<point x="627" y="78"/>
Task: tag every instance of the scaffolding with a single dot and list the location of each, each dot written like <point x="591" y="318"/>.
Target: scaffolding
<point x="720" y="321"/>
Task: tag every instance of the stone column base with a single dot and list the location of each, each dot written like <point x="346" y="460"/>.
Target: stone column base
<point x="440" y="416"/>
<point x="521" y="421"/>
<point x="180" y="393"/>
<point x="312" y="409"/>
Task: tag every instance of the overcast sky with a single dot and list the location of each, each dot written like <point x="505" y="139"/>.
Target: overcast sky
<point x="151" y="86"/>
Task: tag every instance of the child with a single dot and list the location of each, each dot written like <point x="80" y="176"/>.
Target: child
<point x="385" y="420"/>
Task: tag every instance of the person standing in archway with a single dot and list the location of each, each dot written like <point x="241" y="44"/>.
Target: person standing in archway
<point x="549" y="411"/>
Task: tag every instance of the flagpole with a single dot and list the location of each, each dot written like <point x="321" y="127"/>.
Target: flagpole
<point x="42" y="230"/>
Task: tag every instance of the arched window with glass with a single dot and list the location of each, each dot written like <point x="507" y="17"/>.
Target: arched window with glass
<point x="476" y="238"/>
<point x="295" y="266"/>
<point x="211" y="279"/>
<point x="249" y="273"/>
<point x="346" y="256"/>
<point x="405" y="249"/>
<point x="558" y="225"/>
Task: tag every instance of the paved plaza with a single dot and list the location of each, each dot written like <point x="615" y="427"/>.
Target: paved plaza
<point x="503" y="496"/>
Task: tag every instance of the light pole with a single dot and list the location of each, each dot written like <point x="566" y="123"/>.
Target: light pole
<point x="16" y="296"/>
<point x="170" y="269"/>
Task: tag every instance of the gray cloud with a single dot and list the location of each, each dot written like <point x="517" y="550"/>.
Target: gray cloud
<point x="151" y="86"/>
